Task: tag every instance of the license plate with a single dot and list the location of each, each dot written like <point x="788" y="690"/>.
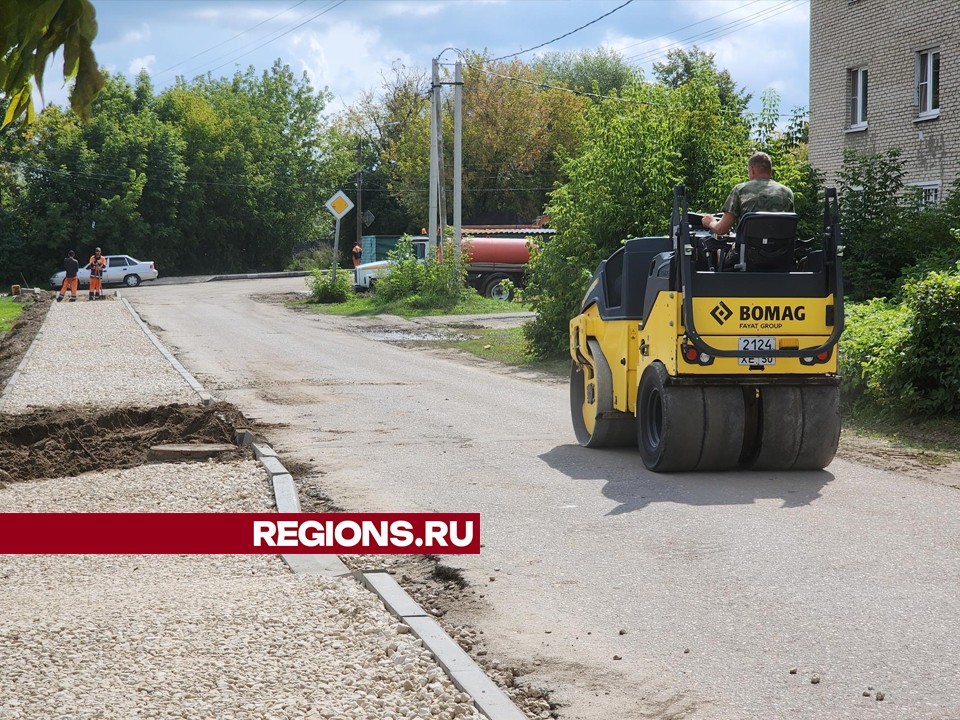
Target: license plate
<point x="757" y="343"/>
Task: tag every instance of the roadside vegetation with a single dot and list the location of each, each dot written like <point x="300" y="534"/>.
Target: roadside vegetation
<point x="412" y="288"/>
<point x="10" y="310"/>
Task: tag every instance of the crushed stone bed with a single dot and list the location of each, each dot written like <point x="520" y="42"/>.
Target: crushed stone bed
<point x="182" y="636"/>
<point x="93" y="354"/>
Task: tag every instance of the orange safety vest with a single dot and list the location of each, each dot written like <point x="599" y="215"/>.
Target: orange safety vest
<point x="97" y="266"/>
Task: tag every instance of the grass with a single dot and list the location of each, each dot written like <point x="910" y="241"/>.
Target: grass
<point x="505" y="345"/>
<point x="9" y="311"/>
<point x="471" y="304"/>
<point x="940" y="434"/>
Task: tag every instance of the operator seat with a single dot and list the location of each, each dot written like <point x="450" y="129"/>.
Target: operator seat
<point x="767" y="242"/>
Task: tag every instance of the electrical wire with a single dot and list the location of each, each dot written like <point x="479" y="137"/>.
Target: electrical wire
<point x="83" y="180"/>
<point x="686" y="27"/>
<point x="276" y="36"/>
<point x="729" y="28"/>
<point x="243" y="32"/>
<point x="716" y="33"/>
<point x="568" y="34"/>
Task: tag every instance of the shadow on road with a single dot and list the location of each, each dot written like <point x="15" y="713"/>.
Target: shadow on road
<point x="634" y="487"/>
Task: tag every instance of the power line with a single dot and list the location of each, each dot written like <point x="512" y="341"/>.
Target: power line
<point x="718" y="32"/>
<point x="568" y="34"/>
<point x="685" y="27"/>
<point x="83" y="179"/>
<point x="276" y="36"/>
<point x="243" y="32"/>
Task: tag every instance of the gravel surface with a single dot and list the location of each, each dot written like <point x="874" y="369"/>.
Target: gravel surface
<point x="229" y="637"/>
<point x="234" y="636"/>
<point x="93" y="354"/>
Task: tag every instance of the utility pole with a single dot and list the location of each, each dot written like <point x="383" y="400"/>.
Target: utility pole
<point x="359" y="191"/>
<point x="434" y="164"/>
<point x="441" y="174"/>
<point x="457" y="155"/>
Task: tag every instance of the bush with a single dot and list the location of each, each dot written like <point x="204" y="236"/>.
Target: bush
<point x="445" y="279"/>
<point x="406" y="273"/>
<point x="321" y="258"/>
<point x="929" y="370"/>
<point x="427" y="283"/>
<point x="330" y="288"/>
<point x="906" y="356"/>
<point x="875" y="333"/>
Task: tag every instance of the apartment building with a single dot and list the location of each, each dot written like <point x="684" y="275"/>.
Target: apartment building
<point x="886" y="74"/>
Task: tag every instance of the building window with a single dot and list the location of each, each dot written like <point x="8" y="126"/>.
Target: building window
<point x="858" y="99"/>
<point x="928" y="83"/>
<point x="929" y="191"/>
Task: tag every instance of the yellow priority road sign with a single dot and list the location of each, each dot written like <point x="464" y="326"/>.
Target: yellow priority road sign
<point x="339" y="205"/>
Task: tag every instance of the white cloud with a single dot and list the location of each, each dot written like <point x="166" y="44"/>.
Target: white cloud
<point x="762" y="44"/>
<point x="141" y="35"/>
<point x="141" y="63"/>
<point x="410" y="9"/>
<point x="348" y="58"/>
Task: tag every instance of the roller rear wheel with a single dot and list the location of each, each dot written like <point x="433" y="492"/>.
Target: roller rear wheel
<point x="670" y="423"/>
<point x="798" y="428"/>
<point x="723" y="425"/>
<point x="821" y="427"/>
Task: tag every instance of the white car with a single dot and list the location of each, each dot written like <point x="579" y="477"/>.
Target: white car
<point x="367" y="274"/>
<point x="120" y="269"/>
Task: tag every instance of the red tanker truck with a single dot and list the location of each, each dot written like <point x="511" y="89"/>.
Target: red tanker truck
<point x="492" y="261"/>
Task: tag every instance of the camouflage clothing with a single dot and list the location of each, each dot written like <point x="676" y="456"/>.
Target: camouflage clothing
<point x="759" y="196"/>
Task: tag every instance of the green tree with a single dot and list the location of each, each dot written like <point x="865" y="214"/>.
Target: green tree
<point x="513" y="128"/>
<point x="115" y="182"/>
<point x="616" y="185"/>
<point x="872" y="207"/>
<point x="512" y="132"/>
<point x="682" y="66"/>
<point x="30" y="32"/>
<point x="261" y="165"/>
<point x="387" y="132"/>
<point x="602" y="71"/>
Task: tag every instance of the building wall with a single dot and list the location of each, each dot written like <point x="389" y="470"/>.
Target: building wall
<point x="885" y="36"/>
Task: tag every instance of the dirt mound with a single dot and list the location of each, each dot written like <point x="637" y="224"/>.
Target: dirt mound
<point x="64" y="443"/>
<point x="15" y="343"/>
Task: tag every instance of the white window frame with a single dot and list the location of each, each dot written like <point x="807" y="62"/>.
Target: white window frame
<point x="927" y="86"/>
<point x="931" y="191"/>
<point x="859" y="85"/>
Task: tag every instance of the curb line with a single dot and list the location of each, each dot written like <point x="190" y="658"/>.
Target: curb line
<point x="465" y="674"/>
<point x="205" y="397"/>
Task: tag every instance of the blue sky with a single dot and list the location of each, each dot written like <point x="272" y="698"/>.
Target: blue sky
<point x="346" y="45"/>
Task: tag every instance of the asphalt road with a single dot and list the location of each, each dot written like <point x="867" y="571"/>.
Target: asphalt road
<point x="735" y="591"/>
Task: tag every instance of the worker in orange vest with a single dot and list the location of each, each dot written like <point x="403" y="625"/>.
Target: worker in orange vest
<point x="98" y="264"/>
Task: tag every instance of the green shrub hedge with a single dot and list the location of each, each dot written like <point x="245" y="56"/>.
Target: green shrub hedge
<point x="905" y="355"/>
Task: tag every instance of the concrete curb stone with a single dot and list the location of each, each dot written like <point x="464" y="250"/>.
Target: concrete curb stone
<point x="205" y="397"/>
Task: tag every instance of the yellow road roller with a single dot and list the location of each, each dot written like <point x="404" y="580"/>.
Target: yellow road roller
<point x="714" y="353"/>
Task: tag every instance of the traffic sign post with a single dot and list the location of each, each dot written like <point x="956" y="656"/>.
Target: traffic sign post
<point x="338" y="205"/>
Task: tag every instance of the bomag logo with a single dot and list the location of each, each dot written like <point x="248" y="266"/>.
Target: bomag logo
<point x="721" y="313"/>
<point x="772" y="313"/>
